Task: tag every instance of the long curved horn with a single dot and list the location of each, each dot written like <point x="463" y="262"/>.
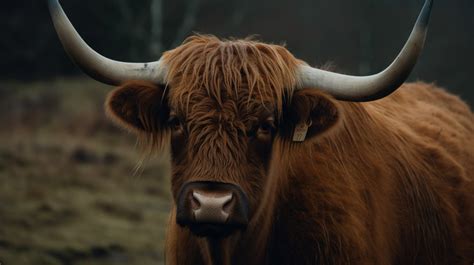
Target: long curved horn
<point x="367" y="88"/>
<point x="97" y="66"/>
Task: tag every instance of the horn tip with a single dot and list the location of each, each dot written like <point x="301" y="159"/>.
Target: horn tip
<point x="54" y="5"/>
<point x="53" y="2"/>
<point x="425" y="15"/>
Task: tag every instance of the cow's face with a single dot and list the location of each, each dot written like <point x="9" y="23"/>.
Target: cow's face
<point x="222" y="115"/>
<point x="221" y="149"/>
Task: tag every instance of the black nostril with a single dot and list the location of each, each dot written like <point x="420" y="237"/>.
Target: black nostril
<point x="195" y="204"/>
<point x="228" y="205"/>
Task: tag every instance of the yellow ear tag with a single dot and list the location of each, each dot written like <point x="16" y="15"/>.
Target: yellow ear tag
<point x="299" y="135"/>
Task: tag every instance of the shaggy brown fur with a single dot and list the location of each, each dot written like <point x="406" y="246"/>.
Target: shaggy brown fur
<point x="385" y="182"/>
<point x="225" y="68"/>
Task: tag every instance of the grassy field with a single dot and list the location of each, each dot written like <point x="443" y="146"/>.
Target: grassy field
<point x="70" y="193"/>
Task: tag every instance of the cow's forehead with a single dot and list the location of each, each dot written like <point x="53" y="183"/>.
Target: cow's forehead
<point x="205" y="70"/>
<point x="240" y="104"/>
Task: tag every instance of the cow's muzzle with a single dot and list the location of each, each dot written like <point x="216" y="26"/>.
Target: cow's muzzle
<point x="212" y="209"/>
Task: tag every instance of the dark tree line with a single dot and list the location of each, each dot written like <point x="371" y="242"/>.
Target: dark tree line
<point x="359" y="37"/>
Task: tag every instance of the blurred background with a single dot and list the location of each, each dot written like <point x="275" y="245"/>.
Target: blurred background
<point x="73" y="190"/>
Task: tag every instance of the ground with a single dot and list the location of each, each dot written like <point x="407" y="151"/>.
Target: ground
<point x="71" y="190"/>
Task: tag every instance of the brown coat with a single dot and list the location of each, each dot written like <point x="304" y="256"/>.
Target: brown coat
<point x="384" y="182"/>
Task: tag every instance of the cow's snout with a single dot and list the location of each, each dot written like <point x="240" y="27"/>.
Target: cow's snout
<point x="212" y="208"/>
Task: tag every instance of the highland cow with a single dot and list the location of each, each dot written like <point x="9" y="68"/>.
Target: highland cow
<point x="276" y="162"/>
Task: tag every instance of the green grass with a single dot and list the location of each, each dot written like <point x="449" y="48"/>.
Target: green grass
<point x="69" y="191"/>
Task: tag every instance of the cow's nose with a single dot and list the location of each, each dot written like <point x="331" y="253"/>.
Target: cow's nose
<point x="212" y="208"/>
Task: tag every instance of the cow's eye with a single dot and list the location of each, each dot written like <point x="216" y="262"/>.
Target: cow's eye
<point x="175" y="124"/>
<point x="265" y="128"/>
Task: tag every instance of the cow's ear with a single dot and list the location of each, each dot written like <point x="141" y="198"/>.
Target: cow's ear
<point x="310" y="113"/>
<point x="138" y="106"/>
